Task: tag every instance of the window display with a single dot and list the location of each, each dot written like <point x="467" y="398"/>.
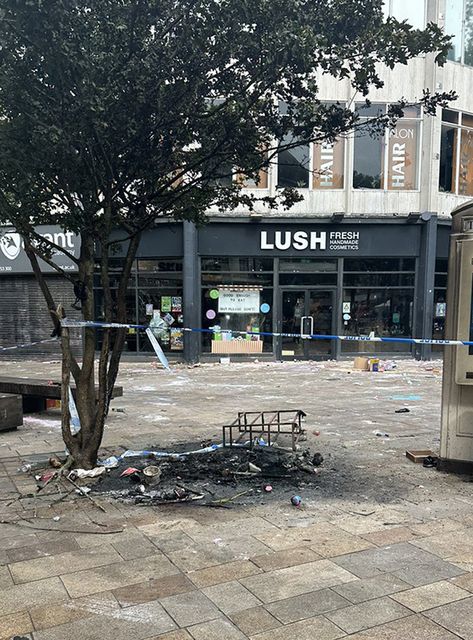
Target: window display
<point x="154" y="298"/>
<point x="390" y="160"/>
<point x="456" y="153"/>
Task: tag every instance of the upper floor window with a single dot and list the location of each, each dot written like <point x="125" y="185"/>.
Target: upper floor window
<point x="387" y="160"/>
<point x="293" y="164"/>
<point x="413" y="11"/>
<point x="293" y="160"/>
<point x="459" y="24"/>
<point x="456" y="153"/>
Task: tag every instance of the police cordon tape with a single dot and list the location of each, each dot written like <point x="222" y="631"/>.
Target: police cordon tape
<point x="28" y="344"/>
<point x="371" y="338"/>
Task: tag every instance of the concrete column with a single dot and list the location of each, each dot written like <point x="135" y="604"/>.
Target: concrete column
<point x="425" y="285"/>
<point x="191" y="291"/>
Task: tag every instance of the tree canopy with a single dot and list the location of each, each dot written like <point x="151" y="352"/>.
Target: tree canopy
<point x="144" y="104"/>
<point x="114" y="113"/>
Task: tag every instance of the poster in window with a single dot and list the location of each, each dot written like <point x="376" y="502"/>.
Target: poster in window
<point x="328" y="165"/>
<point x="176" y="304"/>
<point x="177" y="341"/>
<point x="149" y="309"/>
<point x="230" y="301"/>
<point x="166" y="304"/>
<point x="402" y="156"/>
<point x="440" y="310"/>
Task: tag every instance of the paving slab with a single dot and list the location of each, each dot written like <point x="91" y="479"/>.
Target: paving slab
<point x="42" y="549"/>
<point x="139" y="548"/>
<point x="294" y="581"/>
<point x="430" y="596"/>
<point x="414" y="627"/>
<point x="223" y="573"/>
<point x="119" y="574"/>
<point x="319" y="628"/>
<point x="63" y="563"/>
<point x="190" y="608"/>
<point x="307" y="605"/>
<point x="216" y="630"/>
<point x="465" y="581"/>
<point x="25" y="596"/>
<point x="390" y="536"/>
<point x="6" y="579"/>
<point x="231" y="597"/>
<point x="449" y="546"/>
<point x="112" y="623"/>
<point x="457" y="617"/>
<point x="153" y="589"/>
<point x="253" y="621"/>
<point x="371" y="588"/>
<point x="180" y="634"/>
<point x="405" y="560"/>
<point x="367" y="614"/>
<point x="285" y="558"/>
<point x="221" y="550"/>
<point x="52" y="615"/>
<point x="15" y="624"/>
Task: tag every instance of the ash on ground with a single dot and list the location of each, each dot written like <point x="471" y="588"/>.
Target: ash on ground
<point x="213" y="478"/>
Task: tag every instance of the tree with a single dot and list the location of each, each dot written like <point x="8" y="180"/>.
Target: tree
<point x="116" y="112"/>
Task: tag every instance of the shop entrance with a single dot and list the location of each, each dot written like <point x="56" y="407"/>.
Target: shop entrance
<point x="307" y="312"/>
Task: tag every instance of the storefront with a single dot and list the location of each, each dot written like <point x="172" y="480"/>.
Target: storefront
<point x="238" y="281"/>
<point x="242" y="280"/>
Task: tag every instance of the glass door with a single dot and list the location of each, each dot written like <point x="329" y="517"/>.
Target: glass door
<point x="306" y="312"/>
<point x="293" y="310"/>
<point x="321" y="313"/>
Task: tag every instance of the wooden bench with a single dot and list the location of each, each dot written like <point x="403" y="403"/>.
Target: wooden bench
<point x="36" y="391"/>
<point x="11" y="412"/>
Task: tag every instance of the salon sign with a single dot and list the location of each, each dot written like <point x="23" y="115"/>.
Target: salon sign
<point x="314" y="240"/>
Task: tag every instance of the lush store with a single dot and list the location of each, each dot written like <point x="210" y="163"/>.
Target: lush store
<point x="238" y="281"/>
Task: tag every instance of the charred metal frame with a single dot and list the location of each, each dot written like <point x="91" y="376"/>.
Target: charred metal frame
<point x="271" y="424"/>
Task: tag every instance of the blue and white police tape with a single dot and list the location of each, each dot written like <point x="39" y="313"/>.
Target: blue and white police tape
<point x="28" y="344"/>
<point x="315" y="336"/>
<point x="113" y="461"/>
<point x="91" y="324"/>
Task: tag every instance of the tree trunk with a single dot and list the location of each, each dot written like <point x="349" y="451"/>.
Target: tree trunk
<point x="92" y="404"/>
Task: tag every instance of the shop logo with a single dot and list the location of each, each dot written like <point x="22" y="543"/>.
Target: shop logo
<point x="298" y="240"/>
<point x="10" y="244"/>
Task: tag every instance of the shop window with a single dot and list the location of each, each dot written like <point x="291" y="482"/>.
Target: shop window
<point x="236" y="277"/>
<point x="251" y="183"/>
<point x="236" y="316"/>
<point x="368" y="167"/>
<point x="456" y="153"/>
<point x="168" y="264"/>
<point x="309" y="279"/>
<point x="293" y="165"/>
<point x="237" y="301"/>
<point x="161" y="308"/>
<point x="448" y="155"/>
<point x="222" y="174"/>
<point x="378" y="280"/>
<point x="131" y="316"/>
<point x="236" y="264"/>
<point x="307" y="265"/>
<point x="411" y="11"/>
<point x="379" y="264"/>
<point x="154" y="298"/>
<point x="459" y="25"/>
<point x="385" y="312"/>
<point x="390" y="160"/>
